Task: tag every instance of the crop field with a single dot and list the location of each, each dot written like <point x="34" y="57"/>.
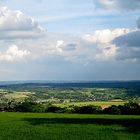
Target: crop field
<point x="49" y="126"/>
<point x="18" y="95"/>
<point x="103" y="104"/>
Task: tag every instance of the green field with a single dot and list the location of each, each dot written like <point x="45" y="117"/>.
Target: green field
<point x="44" y="126"/>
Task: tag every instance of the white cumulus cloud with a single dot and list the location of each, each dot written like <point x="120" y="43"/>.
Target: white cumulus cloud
<point x="15" y="24"/>
<point x="103" y="40"/>
<point x="13" y="53"/>
<point x="104" y="37"/>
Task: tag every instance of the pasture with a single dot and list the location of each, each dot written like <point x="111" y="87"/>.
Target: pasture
<point x="49" y="126"/>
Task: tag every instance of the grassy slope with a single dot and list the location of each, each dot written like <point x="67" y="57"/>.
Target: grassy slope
<point x="36" y="126"/>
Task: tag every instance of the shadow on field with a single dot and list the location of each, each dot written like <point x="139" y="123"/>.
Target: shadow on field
<point x="131" y="125"/>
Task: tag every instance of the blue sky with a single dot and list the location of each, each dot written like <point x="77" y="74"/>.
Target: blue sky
<point x="69" y="40"/>
<point x="68" y="16"/>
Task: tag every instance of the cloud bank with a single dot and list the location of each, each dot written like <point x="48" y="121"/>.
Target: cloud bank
<point x="87" y="48"/>
<point x="102" y="45"/>
<point x="128" y="46"/>
<point x="138" y="22"/>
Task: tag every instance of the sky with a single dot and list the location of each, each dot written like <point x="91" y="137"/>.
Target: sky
<point x="66" y="40"/>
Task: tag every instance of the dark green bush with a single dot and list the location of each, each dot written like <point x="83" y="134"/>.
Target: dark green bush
<point x="130" y="108"/>
<point x="112" y="110"/>
<point x="87" y="109"/>
<point x="55" y="109"/>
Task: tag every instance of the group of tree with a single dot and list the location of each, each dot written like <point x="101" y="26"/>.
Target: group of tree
<point x="130" y="108"/>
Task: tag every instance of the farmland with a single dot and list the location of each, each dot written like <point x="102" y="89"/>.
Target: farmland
<point x="62" y="95"/>
<point x="67" y="95"/>
<point x="71" y="92"/>
<point x="45" y="126"/>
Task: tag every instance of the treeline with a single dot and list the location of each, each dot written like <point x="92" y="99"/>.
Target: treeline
<point x="130" y="108"/>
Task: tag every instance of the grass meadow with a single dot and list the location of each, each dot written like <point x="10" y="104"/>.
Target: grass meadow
<point x="53" y="126"/>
